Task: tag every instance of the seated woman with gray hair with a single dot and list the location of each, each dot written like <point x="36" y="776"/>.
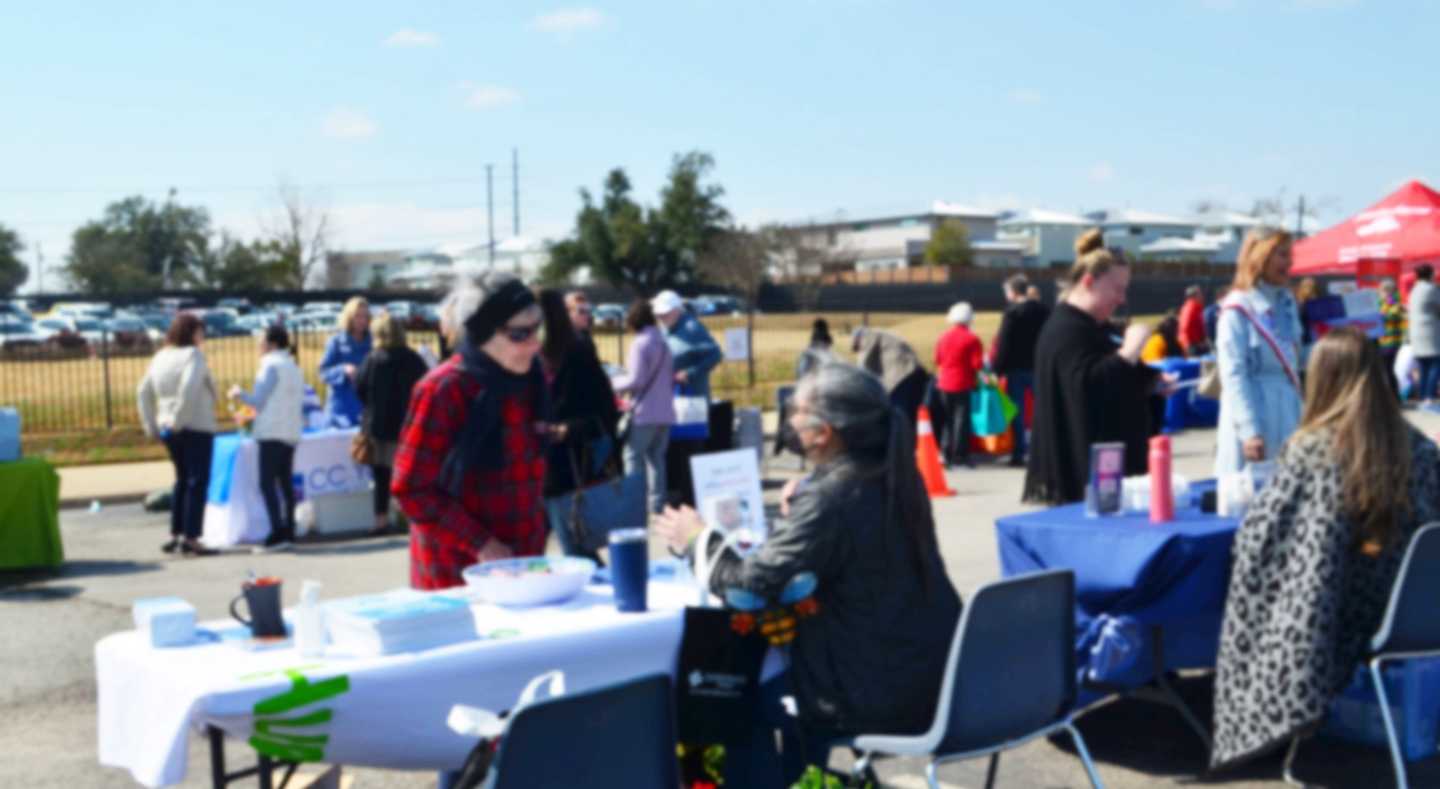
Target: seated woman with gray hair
<point x="873" y="656"/>
<point x="470" y="465"/>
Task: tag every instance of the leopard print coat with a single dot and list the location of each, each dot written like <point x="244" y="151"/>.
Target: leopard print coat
<point x="1303" y="603"/>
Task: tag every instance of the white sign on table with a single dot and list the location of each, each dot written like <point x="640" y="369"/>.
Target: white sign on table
<point x="737" y="344"/>
<point x="728" y="493"/>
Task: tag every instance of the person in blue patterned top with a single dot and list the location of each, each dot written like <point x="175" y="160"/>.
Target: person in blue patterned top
<point x="344" y="353"/>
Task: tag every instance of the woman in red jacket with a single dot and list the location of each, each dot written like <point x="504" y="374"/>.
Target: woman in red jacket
<point x="958" y="359"/>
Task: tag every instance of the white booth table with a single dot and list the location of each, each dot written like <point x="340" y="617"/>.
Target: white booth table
<point x="385" y="711"/>
<point x="235" y="510"/>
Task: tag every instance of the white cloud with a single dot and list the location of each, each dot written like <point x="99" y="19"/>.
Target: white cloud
<point x="488" y="97"/>
<point x="405" y="37"/>
<point x="348" y="124"/>
<point x="1026" y="97"/>
<point x="1102" y="172"/>
<point x="569" y="21"/>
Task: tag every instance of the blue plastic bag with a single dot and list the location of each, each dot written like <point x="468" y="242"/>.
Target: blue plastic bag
<point x="9" y="434"/>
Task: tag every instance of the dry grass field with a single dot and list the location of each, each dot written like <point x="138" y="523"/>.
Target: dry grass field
<point x="68" y="416"/>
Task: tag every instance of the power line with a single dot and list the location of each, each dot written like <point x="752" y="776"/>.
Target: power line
<point x="236" y="189"/>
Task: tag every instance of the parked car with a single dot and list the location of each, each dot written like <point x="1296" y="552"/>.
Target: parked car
<point x="61" y="335"/>
<point x="220" y="323"/>
<point x="240" y="306"/>
<point x="129" y="335"/>
<point x="19" y="338"/>
<point x="608" y="316"/>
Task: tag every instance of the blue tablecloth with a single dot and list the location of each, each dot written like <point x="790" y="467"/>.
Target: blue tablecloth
<point x="1129" y="576"/>
<point x="222" y="466"/>
<point x="1185" y="408"/>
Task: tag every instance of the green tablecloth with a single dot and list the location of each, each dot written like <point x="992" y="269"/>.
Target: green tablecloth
<point x="29" y="515"/>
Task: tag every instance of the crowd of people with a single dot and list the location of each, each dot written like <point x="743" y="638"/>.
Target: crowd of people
<point x="519" y="410"/>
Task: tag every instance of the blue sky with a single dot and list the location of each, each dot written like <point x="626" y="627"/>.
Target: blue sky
<point x="387" y="113"/>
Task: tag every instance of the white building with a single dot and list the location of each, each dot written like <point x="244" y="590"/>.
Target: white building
<point x="1133" y="230"/>
<point x="1047" y="238"/>
<point x="894" y="242"/>
<point x="435" y="269"/>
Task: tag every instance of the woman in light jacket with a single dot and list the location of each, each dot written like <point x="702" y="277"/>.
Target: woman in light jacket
<point x="345" y="351"/>
<point x="1260" y="401"/>
<point x="278" y="401"/>
<point x="177" y="405"/>
<point x="650" y="371"/>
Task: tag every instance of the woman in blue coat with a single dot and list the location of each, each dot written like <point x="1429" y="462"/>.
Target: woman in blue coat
<point x="1260" y="400"/>
<point x="344" y="353"/>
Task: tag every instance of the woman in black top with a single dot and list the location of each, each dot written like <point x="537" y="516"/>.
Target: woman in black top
<point x="383" y="385"/>
<point x="584" y="411"/>
<point x="1090" y="386"/>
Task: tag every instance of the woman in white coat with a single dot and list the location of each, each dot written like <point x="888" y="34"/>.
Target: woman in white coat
<point x="1257" y="344"/>
<point x="278" y="401"/>
<point x="177" y="405"/>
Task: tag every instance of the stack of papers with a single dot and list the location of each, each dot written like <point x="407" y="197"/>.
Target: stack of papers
<point x="402" y="620"/>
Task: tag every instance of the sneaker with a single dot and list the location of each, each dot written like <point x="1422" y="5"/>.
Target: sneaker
<point x="273" y="544"/>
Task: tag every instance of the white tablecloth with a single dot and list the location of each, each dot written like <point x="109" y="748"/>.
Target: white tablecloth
<point x="380" y="712"/>
<point x="322" y="468"/>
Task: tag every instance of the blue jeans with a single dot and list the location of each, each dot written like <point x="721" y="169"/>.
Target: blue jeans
<point x="1429" y="376"/>
<point x="1017" y="383"/>
<point x="645" y="447"/>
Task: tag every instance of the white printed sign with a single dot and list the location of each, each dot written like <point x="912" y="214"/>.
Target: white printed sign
<point x="727" y="492"/>
<point x="737" y="345"/>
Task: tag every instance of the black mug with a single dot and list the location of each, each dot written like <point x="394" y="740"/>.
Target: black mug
<point x="262" y="597"/>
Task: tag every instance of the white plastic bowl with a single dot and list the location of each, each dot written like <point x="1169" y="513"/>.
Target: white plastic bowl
<point x="515" y="582"/>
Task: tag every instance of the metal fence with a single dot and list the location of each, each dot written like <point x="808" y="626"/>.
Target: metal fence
<point x="90" y="386"/>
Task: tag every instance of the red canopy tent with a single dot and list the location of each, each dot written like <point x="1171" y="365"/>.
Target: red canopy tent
<point x="1399" y="232"/>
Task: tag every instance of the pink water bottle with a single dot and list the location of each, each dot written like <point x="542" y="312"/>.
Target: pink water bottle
<point x="1162" y="502"/>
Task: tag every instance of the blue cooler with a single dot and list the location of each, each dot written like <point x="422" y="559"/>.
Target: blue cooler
<point x="1413" y="689"/>
<point x="9" y="434"/>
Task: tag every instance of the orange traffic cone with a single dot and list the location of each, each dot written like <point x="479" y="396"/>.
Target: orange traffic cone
<point x="927" y="457"/>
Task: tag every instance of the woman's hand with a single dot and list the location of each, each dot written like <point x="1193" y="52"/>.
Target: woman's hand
<point x="1254" y="449"/>
<point x="678" y="527"/>
<point x="1134" y="343"/>
<point x="494" y="550"/>
<point x="350" y="372"/>
<point x="236" y="391"/>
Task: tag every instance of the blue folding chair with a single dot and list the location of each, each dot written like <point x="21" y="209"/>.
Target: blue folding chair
<point x="1009" y="679"/>
<point x="1410" y="628"/>
<point x="621" y="735"/>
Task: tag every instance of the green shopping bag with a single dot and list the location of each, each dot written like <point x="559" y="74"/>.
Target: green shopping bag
<point x="989" y="414"/>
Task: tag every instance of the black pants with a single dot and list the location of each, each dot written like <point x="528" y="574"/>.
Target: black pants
<point x="190" y="452"/>
<point x="1389" y="354"/>
<point x="380" y="495"/>
<point x="277" y="467"/>
<point x="957" y="431"/>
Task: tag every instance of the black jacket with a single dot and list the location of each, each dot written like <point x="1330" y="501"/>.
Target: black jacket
<point x="383" y="386"/>
<point x="582" y="399"/>
<point x="873" y="658"/>
<point x="1084" y="394"/>
<point x="1019" y="333"/>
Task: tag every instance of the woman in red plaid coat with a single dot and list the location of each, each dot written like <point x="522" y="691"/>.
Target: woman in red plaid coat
<point x="470" y="466"/>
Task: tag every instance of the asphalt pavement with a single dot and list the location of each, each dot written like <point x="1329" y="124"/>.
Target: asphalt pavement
<point x="52" y="621"/>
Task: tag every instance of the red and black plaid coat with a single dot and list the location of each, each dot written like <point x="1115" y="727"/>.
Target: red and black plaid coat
<point x="446" y="533"/>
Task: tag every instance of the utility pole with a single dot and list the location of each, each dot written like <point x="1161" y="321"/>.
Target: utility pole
<point x="1300" y="217"/>
<point x="39" y="268"/>
<point x="490" y="209"/>
<point x="515" y="186"/>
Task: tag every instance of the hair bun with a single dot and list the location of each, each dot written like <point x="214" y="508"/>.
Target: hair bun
<point x="1089" y="241"/>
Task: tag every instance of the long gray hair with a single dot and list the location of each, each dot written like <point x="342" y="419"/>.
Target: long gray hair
<point x="878" y="441"/>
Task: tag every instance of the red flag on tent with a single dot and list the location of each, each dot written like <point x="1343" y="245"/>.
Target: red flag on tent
<point x="1404" y="227"/>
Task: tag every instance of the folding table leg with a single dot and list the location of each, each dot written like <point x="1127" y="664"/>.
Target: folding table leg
<point x="218" y="779"/>
<point x="1172" y="696"/>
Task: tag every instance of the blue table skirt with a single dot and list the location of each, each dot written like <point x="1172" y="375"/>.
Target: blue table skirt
<point x="1186" y="409"/>
<point x="1130" y="575"/>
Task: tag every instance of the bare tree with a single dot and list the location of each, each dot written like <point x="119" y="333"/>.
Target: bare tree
<point x="741" y="259"/>
<point x="301" y="231"/>
<point x="799" y="260"/>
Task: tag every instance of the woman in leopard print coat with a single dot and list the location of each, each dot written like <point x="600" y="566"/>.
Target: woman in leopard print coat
<point x="1315" y="558"/>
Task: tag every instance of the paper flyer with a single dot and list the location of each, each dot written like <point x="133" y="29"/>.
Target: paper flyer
<point x="727" y="492"/>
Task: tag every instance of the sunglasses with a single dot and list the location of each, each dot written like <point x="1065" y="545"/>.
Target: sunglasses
<point x="519" y="334"/>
